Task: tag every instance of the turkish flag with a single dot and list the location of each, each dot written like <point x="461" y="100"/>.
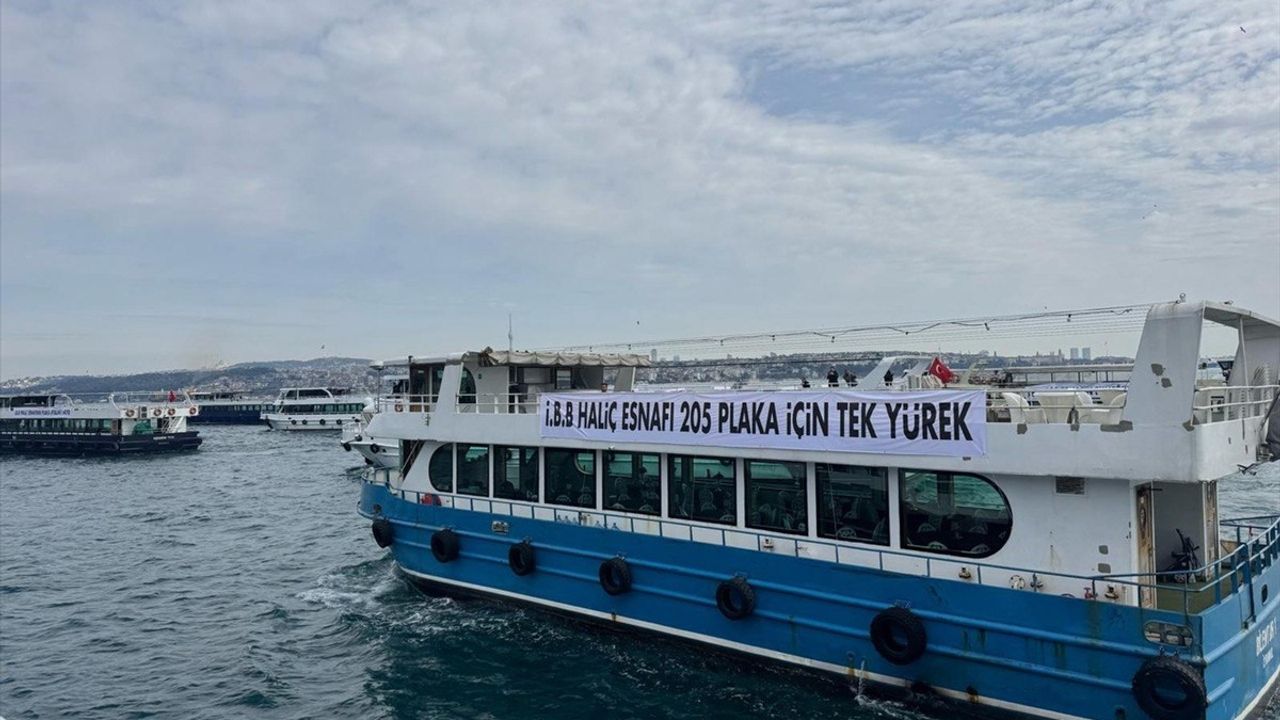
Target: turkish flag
<point x="939" y="369"/>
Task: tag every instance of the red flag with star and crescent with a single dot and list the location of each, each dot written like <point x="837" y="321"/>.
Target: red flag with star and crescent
<point x="939" y="369"/>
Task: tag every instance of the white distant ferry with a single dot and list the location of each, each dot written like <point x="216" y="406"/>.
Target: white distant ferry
<point x="314" y="409"/>
<point x="57" y="424"/>
<point x="1048" y="551"/>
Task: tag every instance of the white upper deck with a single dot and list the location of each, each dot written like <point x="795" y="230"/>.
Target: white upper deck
<point x="1158" y="421"/>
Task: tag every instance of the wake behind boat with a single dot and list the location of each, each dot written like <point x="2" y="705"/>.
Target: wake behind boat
<point x="1049" y="551"/>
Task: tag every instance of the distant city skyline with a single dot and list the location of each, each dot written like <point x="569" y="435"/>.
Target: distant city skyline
<point x="194" y="184"/>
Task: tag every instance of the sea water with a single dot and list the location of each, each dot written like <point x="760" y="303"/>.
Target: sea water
<point x="238" y="581"/>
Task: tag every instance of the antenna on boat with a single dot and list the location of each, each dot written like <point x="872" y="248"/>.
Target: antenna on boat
<point x="510" y="342"/>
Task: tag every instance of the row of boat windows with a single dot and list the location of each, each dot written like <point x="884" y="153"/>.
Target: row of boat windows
<point x="941" y="512"/>
<point x="58" y="424"/>
<point x="213" y="409"/>
<point x="322" y="408"/>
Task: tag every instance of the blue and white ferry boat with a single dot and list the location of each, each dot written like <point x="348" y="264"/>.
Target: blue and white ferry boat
<point x="228" y="407"/>
<point x="1056" y="557"/>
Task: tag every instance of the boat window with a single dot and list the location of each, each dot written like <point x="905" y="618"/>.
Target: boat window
<point x="473" y="469"/>
<point x="776" y="496"/>
<point x="571" y="477"/>
<point x="440" y="468"/>
<point x="564" y="378"/>
<point x="632" y="482"/>
<point x="703" y="488"/>
<point x="515" y="473"/>
<point x="853" y="503"/>
<point x="467" y="388"/>
<point x="953" y="514"/>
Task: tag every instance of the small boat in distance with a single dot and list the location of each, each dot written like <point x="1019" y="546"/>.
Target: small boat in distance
<point x="56" y="424"/>
<point x="314" y="409"/>
<point x="228" y="407"/>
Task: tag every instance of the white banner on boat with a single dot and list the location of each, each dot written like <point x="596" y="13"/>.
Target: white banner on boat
<point x="931" y="422"/>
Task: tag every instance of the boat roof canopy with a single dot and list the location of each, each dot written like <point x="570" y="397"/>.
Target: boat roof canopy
<point x="520" y="358"/>
<point x="1234" y="316"/>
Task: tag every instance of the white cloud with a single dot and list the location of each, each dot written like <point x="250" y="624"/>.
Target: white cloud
<point x="587" y="163"/>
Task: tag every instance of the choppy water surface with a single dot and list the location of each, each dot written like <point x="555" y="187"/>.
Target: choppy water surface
<point x="238" y="581"/>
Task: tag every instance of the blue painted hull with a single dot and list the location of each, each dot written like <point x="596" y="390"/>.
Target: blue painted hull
<point x="1021" y="651"/>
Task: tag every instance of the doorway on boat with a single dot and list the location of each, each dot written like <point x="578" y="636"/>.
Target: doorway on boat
<point x="1176" y="527"/>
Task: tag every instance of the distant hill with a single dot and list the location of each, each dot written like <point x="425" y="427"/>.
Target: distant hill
<point x="259" y="378"/>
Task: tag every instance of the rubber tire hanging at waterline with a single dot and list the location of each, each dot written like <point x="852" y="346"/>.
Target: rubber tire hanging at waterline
<point x="899" y="635"/>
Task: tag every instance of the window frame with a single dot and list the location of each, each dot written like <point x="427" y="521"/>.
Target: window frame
<point x="635" y="457"/>
<point x="595" y="477"/>
<point x="460" y="454"/>
<point x="672" y="479"/>
<point x="748" y="493"/>
<point x="903" y="532"/>
<point x="431" y="479"/>
<point x="818" y="483"/>
<point x="498" y="450"/>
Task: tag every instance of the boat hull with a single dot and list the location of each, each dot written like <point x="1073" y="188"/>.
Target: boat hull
<point x="1019" y="651"/>
<point x="310" y="423"/>
<point x="83" y="444"/>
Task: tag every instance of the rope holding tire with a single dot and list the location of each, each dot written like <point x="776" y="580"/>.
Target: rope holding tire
<point x="615" y="576"/>
<point x="1167" y="688"/>
<point x="445" y="545"/>
<point x="899" y="635"/>
<point x="735" y="598"/>
<point x="383" y="533"/>
<point x="521" y="558"/>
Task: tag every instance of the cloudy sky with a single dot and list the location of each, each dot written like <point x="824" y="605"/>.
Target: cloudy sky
<point x="183" y="184"/>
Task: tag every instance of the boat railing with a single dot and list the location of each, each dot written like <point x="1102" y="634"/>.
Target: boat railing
<point x="406" y="403"/>
<point x="499" y="403"/>
<point x="1256" y="546"/>
<point x="1260" y="543"/>
<point x="1232" y="402"/>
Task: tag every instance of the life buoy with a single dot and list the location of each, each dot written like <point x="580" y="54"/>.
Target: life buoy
<point x="521" y="558"/>
<point x="399" y="407"/>
<point x="898" y="635"/>
<point x="128" y="413"/>
<point x="444" y="545"/>
<point x="735" y="598"/>
<point x="1167" y="688"/>
<point x="156" y="412"/>
<point x="172" y="412"/>
<point x="383" y="533"/>
<point x="615" y="576"/>
<point x="193" y="410"/>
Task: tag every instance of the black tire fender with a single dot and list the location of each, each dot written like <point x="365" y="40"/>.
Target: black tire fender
<point x="735" y="598"/>
<point x="899" y="635"/>
<point x="445" y="545"/>
<point x="522" y="559"/>
<point x="383" y="533"/>
<point x="374" y="448"/>
<point x="1154" y="680"/>
<point x="615" y="576"/>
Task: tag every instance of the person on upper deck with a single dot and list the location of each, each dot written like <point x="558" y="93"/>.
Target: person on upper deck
<point x="850" y="378"/>
<point x="888" y="377"/>
<point x="804" y="382"/>
<point x="833" y="377"/>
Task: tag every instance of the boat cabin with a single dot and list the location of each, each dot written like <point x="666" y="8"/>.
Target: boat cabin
<point x="1090" y="482"/>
